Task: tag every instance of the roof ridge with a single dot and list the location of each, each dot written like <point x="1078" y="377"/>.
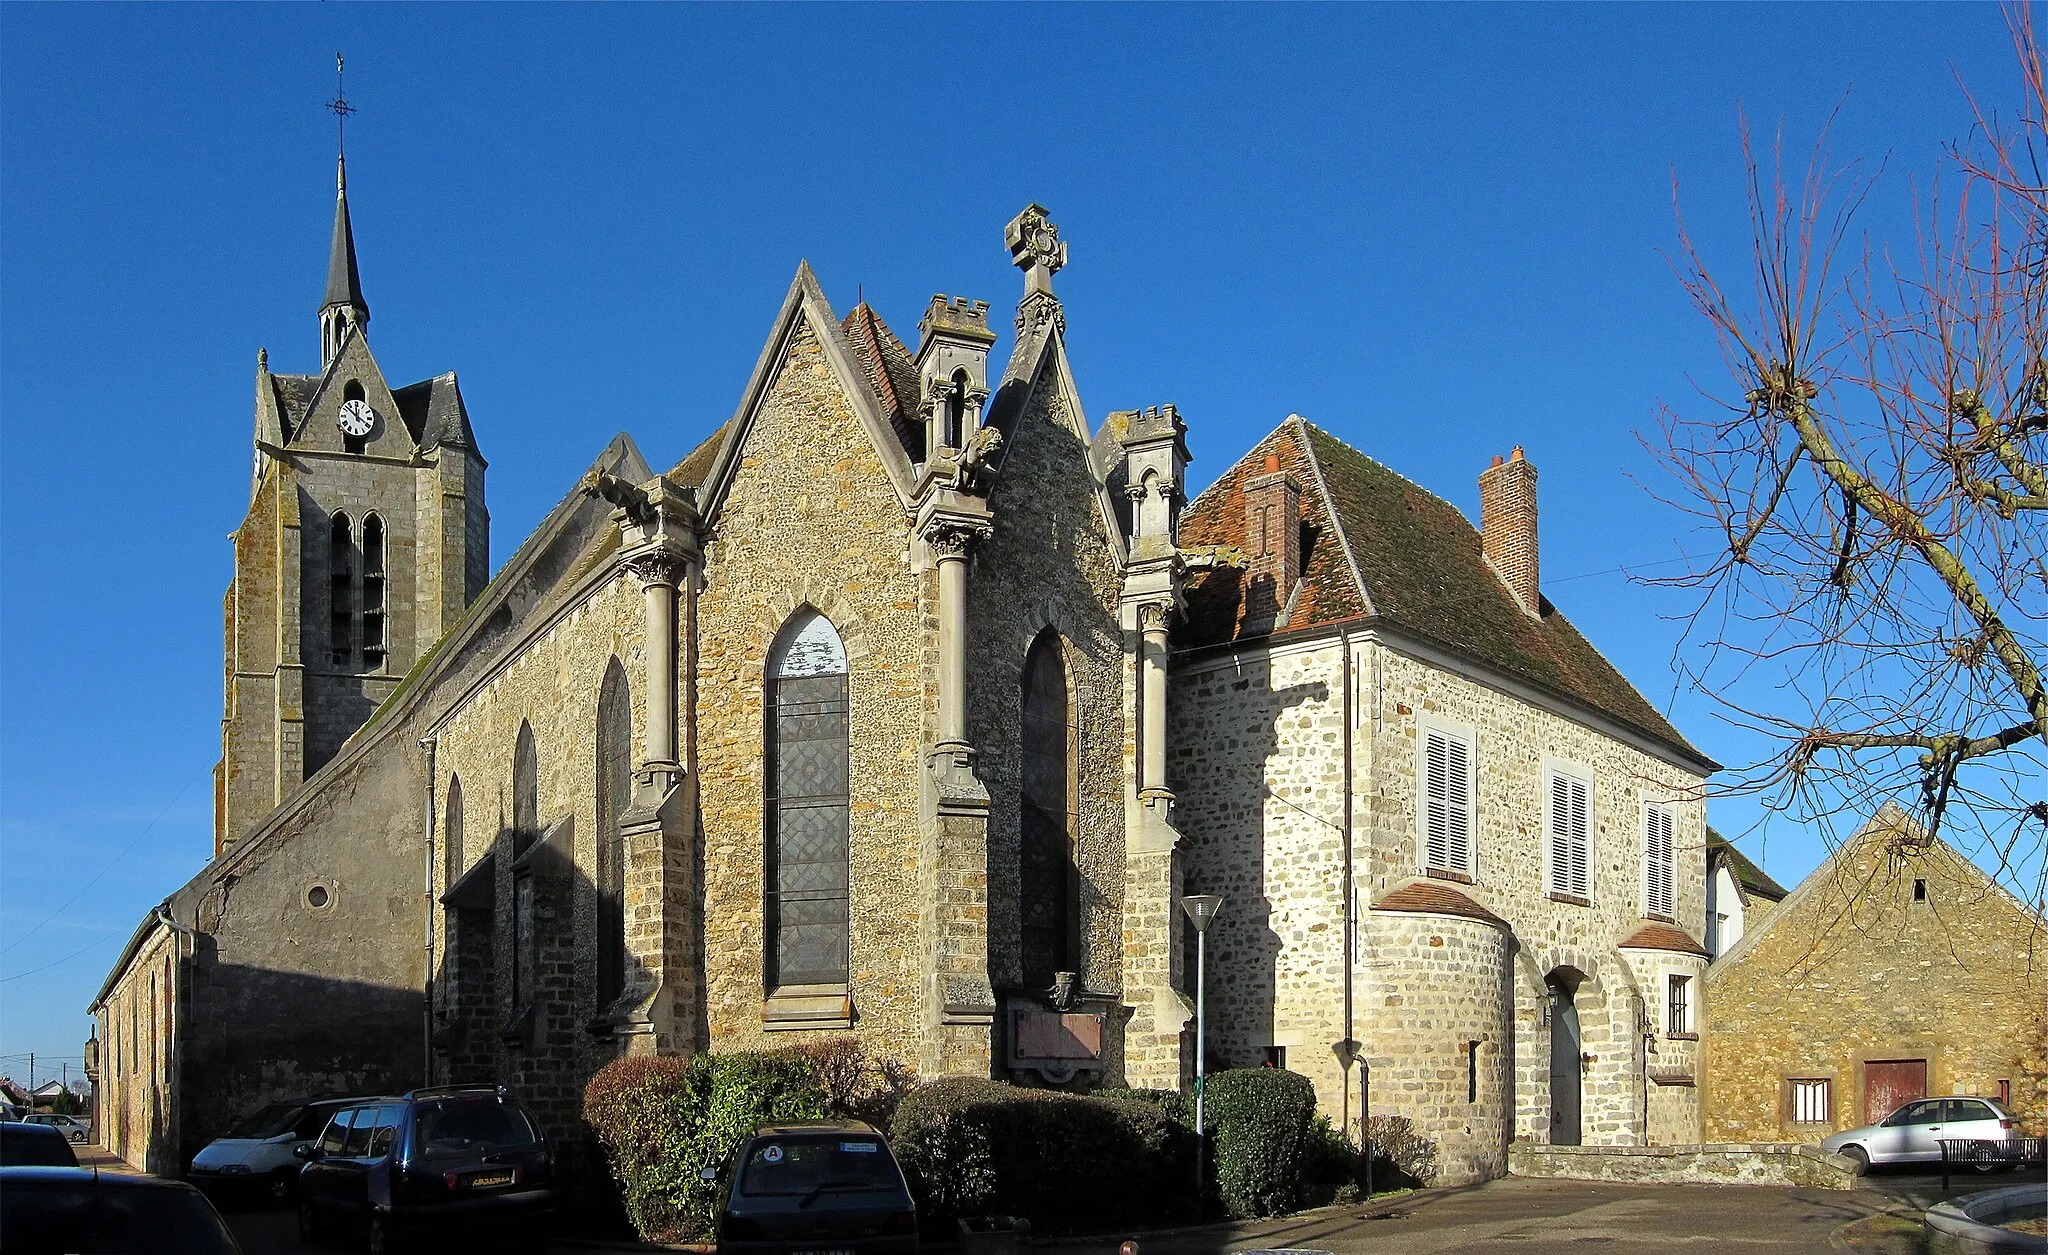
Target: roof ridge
<point x="1336" y="516"/>
<point x="1363" y="455"/>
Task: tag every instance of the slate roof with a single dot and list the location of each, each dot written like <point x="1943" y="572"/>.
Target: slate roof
<point x="344" y="284"/>
<point x="434" y="413"/>
<point x="1433" y="897"/>
<point x="294" y="395"/>
<point x="1380" y="549"/>
<point x="1753" y="879"/>
<point x="1655" y="936"/>
<point x="696" y="464"/>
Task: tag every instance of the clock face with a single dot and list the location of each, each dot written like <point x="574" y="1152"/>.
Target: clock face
<point x="357" y="418"/>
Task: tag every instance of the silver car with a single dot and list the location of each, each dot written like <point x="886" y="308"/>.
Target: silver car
<point x="1914" y="1133"/>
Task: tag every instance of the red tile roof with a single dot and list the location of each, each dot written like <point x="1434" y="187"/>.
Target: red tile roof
<point x="1655" y="936"/>
<point x="1433" y="897"/>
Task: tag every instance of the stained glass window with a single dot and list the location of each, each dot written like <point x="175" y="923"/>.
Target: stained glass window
<point x="805" y="897"/>
<point x="614" y="795"/>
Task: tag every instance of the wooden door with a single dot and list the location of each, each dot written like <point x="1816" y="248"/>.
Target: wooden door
<point x="1566" y="1065"/>
<point x="1890" y="1083"/>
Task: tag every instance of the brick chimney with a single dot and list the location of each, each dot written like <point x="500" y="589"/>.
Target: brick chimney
<point x="1507" y="526"/>
<point x="1272" y="539"/>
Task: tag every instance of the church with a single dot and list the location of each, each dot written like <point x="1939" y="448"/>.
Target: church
<point x="909" y="705"/>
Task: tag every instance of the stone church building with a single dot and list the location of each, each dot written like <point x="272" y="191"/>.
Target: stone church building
<point x="908" y="705"/>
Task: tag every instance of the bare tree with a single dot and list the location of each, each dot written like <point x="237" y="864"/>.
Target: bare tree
<point x="1875" y="483"/>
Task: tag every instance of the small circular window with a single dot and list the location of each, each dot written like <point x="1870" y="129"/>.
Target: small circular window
<point x="319" y="897"/>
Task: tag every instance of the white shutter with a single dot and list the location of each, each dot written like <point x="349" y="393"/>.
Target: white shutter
<point x="1436" y="821"/>
<point x="1447" y="802"/>
<point x="1657" y="859"/>
<point x="1570" y="837"/>
<point x="1459" y="807"/>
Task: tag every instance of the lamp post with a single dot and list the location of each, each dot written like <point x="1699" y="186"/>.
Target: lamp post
<point x="1201" y="909"/>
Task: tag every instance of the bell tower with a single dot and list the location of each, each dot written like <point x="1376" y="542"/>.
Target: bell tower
<point x="365" y="540"/>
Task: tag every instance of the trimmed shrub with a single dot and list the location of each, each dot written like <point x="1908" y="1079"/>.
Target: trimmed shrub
<point x="1068" y="1163"/>
<point x="663" y="1121"/>
<point x="1179" y="1107"/>
<point x="1261" y="1121"/>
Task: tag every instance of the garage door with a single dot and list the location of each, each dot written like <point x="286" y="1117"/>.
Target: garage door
<point x="1890" y="1082"/>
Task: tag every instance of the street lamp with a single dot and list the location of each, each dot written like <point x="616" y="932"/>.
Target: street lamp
<point x="1201" y="909"/>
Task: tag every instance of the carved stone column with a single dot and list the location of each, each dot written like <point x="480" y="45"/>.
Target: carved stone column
<point x="1152" y="692"/>
<point x="950" y="540"/>
<point x="661" y="571"/>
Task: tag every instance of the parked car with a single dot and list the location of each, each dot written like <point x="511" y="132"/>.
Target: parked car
<point x="458" y="1158"/>
<point x="34" y="1145"/>
<point x="1914" y="1132"/>
<point x="826" y="1186"/>
<point x="255" y="1159"/>
<point x="57" y="1211"/>
<point x="73" y="1128"/>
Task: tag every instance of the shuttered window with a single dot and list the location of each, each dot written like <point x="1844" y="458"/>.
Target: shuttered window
<point x="1570" y="836"/>
<point x="1812" y="1101"/>
<point x="1657" y="859"/>
<point x="808" y="783"/>
<point x="1447" y="816"/>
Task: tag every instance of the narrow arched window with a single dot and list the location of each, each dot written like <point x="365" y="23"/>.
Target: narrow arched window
<point x="1048" y="882"/>
<point x="373" y="593"/>
<point x="341" y="591"/>
<point x="956" y="411"/>
<point x="525" y="828"/>
<point x="805" y="898"/>
<point x="451" y="837"/>
<point x="614" y="795"/>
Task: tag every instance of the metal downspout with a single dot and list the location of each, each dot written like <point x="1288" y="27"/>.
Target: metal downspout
<point x="1350" y="893"/>
<point x="427" y="919"/>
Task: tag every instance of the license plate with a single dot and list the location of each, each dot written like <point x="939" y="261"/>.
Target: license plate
<point x="484" y="1180"/>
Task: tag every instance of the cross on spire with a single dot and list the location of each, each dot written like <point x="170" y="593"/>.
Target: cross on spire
<point x="341" y="108"/>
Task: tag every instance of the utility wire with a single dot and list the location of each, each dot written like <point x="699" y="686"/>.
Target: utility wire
<point x="111" y="864"/>
<point x="59" y="962"/>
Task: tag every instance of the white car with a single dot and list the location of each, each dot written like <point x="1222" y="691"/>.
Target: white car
<point x="1914" y="1133"/>
<point x="78" y="1131"/>
<point x="256" y="1155"/>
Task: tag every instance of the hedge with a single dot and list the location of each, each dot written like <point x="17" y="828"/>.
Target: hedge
<point x="1068" y="1163"/>
<point x="662" y="1121"/>
<point x="1261" y="1121"/>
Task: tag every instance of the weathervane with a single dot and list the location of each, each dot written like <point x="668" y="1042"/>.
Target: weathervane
<point x="341" y="108"/>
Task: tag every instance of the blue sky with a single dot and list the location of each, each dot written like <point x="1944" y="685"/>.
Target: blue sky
<point x="1435" y="230"/>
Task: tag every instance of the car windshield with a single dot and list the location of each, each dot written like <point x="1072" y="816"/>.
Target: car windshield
<point x="96" y="1218"/>
<point x="37" y="1146"/>
<point x="454" y="1128"/>
<point x="808" y="1165"/>
<point x="270" y="1122"/>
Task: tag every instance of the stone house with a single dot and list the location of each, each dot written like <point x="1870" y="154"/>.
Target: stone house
<point x="870" y="716"/>
<point x="1444" y="827"/>
<point x="1739" y="894"/>
<point x="1897" y="970"/>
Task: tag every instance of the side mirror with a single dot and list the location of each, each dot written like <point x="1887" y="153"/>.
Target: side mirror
<point x="708" y="1174"/>
<point x="306" y="1151"/>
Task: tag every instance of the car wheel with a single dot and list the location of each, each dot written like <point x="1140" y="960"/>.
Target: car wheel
<point x="282" y="1185"/>
<point x="1981" y="1159"/>
<point x="1859" y="1159"/>
<point x="78" y="1139"/>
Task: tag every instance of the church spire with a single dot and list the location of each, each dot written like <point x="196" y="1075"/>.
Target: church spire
<point x="343" y="303"/>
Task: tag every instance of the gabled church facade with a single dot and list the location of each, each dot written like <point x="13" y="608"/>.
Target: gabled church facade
<point x="893" y="709"/>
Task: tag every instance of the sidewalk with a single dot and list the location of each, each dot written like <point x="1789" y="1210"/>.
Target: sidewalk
<point x="92" y="1155"/>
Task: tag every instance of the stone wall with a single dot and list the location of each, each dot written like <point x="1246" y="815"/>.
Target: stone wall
<point x="810" y="518"/>
<point x="136" y="1023"/>
<point x="1051" y="565"/>
<point x="1737" y="1164"/>
<point x="1257" y="762"/>
<point x="1852" y="969"/>
<point x="1436" y="1035"/>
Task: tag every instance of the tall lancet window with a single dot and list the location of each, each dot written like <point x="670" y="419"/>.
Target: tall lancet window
<point x="373" y="593"/>
<point x="1048" y="882"/>
<point x="805" y="894"/>
<point x="525" y="827"/>
<point x="451" y="837"/>
<point x="341" y="591"/>
<point x="614" y="795"/>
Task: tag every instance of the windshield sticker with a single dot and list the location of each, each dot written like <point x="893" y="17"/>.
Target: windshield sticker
<point x="858" y="1148"/>
<point x="771" y="1154"/>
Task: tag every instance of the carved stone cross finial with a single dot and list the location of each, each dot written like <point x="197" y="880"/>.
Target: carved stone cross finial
<point x="1036" y="247"/>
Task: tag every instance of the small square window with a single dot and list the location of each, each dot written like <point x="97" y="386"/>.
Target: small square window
<point x="1276" y="1056"/>
<point x="1813" y="1101"/>
<point x="1919" y="891"/>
